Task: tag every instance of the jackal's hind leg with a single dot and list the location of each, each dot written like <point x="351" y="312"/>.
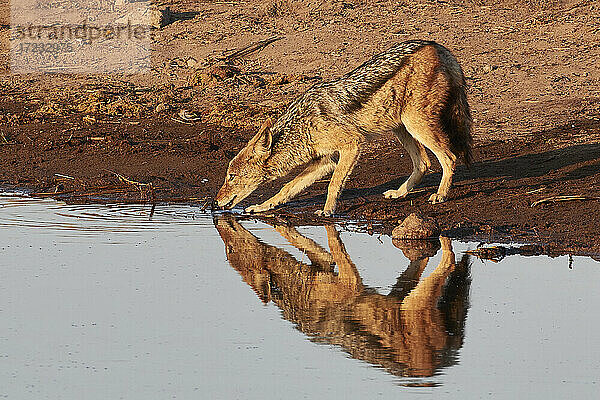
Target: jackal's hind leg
<point x="315" y="170"/>
<point x="420" y="161"/>
<point x="447" y="160"/>
<point x="432" y="136"/>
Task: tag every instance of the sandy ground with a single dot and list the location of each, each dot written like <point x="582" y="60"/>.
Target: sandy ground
<point x="534" y="88"/>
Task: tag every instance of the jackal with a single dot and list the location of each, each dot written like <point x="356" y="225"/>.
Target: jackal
<point x="416" y="90"/>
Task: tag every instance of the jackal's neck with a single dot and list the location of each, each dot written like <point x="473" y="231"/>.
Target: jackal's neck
<point x="290" y="150"/>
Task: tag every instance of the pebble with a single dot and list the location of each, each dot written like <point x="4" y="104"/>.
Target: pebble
<point x="416" y="227"/>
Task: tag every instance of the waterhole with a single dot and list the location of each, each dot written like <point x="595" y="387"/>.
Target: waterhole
<point x="142" y="302"/>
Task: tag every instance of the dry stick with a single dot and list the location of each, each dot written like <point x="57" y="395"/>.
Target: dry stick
<point x="100" y="121"/>
<point x="555" y="199"/>
<point x="64" y="176"/>
<point x="142" y="187"/>
<point x="521" y="194"/>
<point x="50" y="194"/>
<point x="244" y="51"/>
<point x="99" y="192"/>
<point x="73" y="193"/>
<point x="180" y="199"/>
<point x="181" y="121"/>
<point x="207" y="203"/>
<point x="536" y="190"/>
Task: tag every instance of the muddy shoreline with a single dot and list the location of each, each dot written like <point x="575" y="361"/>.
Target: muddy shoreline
<point x="492" y="202"/>
<point x="533" y="84"/>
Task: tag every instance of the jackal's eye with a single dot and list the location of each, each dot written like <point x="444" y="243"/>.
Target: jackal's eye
<point x="230" y="177"/>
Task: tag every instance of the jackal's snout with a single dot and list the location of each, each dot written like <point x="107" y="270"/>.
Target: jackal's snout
<point x="247" y="169"/>
<point x="224" y="199"/>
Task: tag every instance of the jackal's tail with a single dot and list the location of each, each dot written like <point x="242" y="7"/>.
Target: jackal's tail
<point x="457" y="122"/>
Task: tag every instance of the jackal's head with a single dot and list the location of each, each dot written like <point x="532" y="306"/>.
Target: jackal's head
<point x="247" y="170"/>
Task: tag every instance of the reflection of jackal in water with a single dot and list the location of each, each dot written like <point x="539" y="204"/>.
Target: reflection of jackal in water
<point x="416" y="90"/>
<point x="413" y="331"/>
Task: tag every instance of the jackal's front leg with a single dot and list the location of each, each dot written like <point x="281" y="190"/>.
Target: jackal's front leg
<point x="316" y="169"/>
<point x="347" y="272"/>
<point x="316" y="254"/>
<point x="348" y="158"/>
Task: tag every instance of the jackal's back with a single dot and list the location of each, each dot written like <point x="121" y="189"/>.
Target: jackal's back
<point x="355" y="88"/>
<point x="338" y="99"/>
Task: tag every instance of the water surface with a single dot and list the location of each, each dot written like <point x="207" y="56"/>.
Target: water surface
<point x="108" y="302"/>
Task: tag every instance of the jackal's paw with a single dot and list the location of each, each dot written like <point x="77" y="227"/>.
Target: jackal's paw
<point x="324" y="213"/>
<point x="395" y="194"/>
<point x="437" y="198"/>
<point x="258" y="208"/>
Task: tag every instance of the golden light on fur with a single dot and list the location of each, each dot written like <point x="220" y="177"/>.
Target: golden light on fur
<point x="407" y="331"/>
<point x="416" y="90"/>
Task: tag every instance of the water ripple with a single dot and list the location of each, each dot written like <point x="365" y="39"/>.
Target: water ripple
<point x="86" y="219"/>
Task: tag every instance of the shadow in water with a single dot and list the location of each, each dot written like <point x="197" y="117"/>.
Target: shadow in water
<point x="414" y="331"/>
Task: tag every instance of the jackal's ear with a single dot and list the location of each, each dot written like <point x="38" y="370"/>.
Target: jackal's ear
<point x="263" y="140"/>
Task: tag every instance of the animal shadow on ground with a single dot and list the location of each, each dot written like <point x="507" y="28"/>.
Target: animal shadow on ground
<point x="525" y="171"/>
<point x="533" y="170"/>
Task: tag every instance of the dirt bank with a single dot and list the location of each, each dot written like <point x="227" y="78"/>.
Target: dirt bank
<point x="534" y="87"/>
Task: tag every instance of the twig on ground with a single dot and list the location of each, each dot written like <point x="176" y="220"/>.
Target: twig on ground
<point x="536" y="190"/>
<point x="146" y="189"/>
<point x="179" y="199"/>
<point x="181" y="121"/>
<point x="101" y="191"/>
<point x="206" y="204"/>
<point x="555" y="199"/>
<point x="64" y="176"/>
<point x="117" y="122"/>
<point x="50" y="194"/>
<point x="251" y="48"/>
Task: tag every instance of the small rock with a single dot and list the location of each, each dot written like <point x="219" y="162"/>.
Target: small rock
<point x="150" y="16"/>
<point x="224" y="71"/>
<point x="489" y="68"/>
<point x="188" y="115"/>
<point x="416" y="227"/>
<point x="191" y="62"/>
<point x="160" y="18"/>
<point x="160" y="107"/>
<point x="279" y="79"/>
